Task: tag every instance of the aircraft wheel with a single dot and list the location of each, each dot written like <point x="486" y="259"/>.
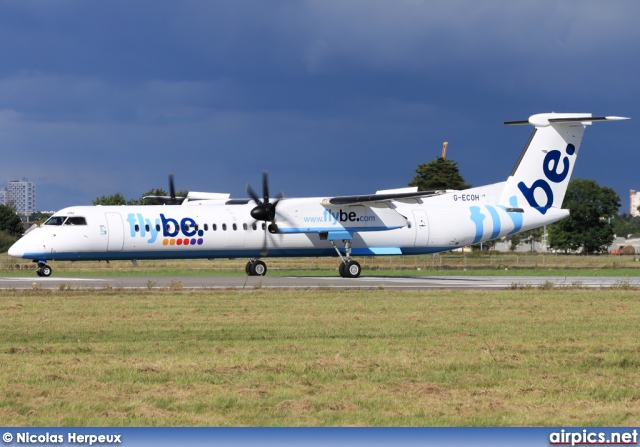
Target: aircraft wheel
<point x="341" y="270"/>
<point x="258" y="268"/>
<point x="352" y="269"/>
<point x="247" y="268"/>
<point x="44" y="270"/>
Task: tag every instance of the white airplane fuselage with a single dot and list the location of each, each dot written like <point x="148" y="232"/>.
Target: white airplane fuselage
<point x="392" y="222"/>
<point x="305" y="228"/>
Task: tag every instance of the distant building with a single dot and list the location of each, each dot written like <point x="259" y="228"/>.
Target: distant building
<point x="23" y="195"/>
<point x="634" y="203"/>
<point x="3" y="196"/>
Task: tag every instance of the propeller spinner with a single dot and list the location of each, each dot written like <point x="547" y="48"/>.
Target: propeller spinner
<point x="264" y="210"/>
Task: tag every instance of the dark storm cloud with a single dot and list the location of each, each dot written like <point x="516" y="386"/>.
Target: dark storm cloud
<point x="332" y="96"/>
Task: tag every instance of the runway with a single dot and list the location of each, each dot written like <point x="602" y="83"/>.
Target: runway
<point x="315" y="282"/>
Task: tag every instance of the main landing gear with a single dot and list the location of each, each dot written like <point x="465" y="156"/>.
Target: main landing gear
<point x="255" y="267"/>
<point x="43" y="270"/>
<point x="348" y="267"/>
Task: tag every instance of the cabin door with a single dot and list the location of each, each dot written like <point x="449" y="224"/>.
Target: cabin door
<point x="421" y="225"/>
<point x="115" y="233"/>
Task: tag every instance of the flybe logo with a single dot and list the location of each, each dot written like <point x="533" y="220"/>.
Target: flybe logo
<point x="553" y="173"/>
<point x="185" y="232"/>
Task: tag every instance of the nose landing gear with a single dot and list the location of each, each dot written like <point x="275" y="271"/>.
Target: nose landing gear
<point x="43" y="270"/>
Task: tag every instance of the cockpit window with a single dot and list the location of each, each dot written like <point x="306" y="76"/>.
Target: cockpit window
<point x="55" y="220"/>
<point x="75" y="220"/>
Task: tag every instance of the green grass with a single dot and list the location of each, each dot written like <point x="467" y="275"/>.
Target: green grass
<point x="316" y="358"/>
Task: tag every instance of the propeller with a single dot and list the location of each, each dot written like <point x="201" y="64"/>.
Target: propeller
<point x="265" y="210"/>
<point x="171" y="199"/>
<point x="172" y="192"/>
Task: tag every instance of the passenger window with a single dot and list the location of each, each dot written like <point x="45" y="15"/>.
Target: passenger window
<point x="157" y="227"/>
<point x="55" y="220"/>
<point x="224" y="227"/>
<point x="196" y="227"/>
<point x="137" y="228"/>
<point x="254" y="226"/>
<point x="206" y="227"/>
<point x="214" y="227"/>
<point x="235" y="227"/>
<point x="146" y="227"/>
<point x="245" y="226"/>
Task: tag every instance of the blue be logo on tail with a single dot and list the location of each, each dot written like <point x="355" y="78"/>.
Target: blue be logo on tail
<point x="550" y="167"/>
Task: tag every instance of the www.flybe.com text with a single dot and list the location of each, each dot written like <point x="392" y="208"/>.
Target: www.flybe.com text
<point x="339" y="216"/>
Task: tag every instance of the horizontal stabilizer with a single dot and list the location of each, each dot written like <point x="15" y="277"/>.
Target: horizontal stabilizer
<point x="546" y="119"/>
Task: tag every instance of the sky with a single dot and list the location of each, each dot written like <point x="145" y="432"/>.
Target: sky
<point x="331" y="97"/>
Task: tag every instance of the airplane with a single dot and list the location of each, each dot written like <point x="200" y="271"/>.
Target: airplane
<point x="401" y="221"/>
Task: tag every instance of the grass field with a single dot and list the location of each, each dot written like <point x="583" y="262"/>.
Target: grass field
<point x="315" y="358"/>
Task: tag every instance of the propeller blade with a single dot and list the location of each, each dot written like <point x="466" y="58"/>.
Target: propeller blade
<point x="265" y="185"/>
<point x="172" y="188"/>
<point x="253" y="195"/>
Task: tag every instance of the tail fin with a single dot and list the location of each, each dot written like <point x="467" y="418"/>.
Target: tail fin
<point x="541" y="175"/>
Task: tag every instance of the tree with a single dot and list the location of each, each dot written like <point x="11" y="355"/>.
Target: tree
<point x="39" y="217"/>
<point x="515" y="241"/>
<point x="626" y="224"/>
<point x="588" y="227"/>
<point x="10" y="222"/>
<point x="113" y="199"/>
<point x="440" y="173"/>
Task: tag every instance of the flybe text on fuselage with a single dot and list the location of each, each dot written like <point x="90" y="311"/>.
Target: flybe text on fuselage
<point x="340" y="216"/>
<point x="184" y="232"/>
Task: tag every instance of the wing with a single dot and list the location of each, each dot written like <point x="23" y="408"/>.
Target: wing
<point x="381" y="196"/>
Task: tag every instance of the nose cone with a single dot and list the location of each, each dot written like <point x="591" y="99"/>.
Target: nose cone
<point x="17" y="249"/>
